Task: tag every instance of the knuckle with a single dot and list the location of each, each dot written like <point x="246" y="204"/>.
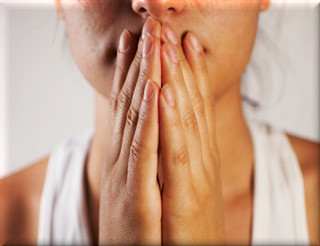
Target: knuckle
<point x="136" y="61"/>
<point x="124" y="99"/>
<point x="120" y="65"/>
<point x="113" y="100"/>
<point x="198" y="103"/>
<point x="189" y="121"/>
<point x="143" y="74"/>
<point x="137" y="149"/>
<point x="181" y="157"/>
<point x="132" y="116"/>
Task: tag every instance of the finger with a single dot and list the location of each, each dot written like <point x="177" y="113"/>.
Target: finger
<point x="175" y="155"/>
<point x="149" y="69"/>
<point x="125" y="55"/>
<point x="196" y="59"/>
<point x="126" y="94"/>
<point x="143" y="159"/>
<point x="172" y="75"/>
<point x="153" y="27"/>
<point x="121" y="99"/>
<point x="192" y="87"/>
<point x="194" y="54"/>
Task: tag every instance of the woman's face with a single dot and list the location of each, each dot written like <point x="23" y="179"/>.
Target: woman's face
<point x="225" y="28"/>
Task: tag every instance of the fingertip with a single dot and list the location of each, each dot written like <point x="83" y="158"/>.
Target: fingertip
<point x="195" y="53"/>
<point x="125" y="41"/>
<point x="167" y="33"/>
<point x="193" y="43"/>
<point x="170" y="51"/>
<point x="152" y="26"/>
<point x="147" y="45"/>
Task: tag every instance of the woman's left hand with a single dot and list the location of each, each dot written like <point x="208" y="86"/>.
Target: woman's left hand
<point x="192" y="204"/>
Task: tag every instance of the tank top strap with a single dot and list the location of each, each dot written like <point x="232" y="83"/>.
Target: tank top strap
<point x="63" y="213"/>
<point x="279" y="213"/>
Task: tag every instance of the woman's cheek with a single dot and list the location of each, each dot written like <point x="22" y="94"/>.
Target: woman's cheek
<point x="95" y="57"/>
<point x="92" y="42"/>
<point x="229" y="41"/>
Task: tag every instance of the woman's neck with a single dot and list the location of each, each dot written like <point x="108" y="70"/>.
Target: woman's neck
<point x="95" y="162"/>
<point x="233" y="139"/>
<point x="234" y="144"/>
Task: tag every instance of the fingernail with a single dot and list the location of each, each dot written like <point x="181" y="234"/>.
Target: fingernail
<point x="195" y="44"/>
<point x="148" y="90"/>
<point x="169" y="34"/>
<point x="124" y="42"/>
<point x="147" y="45"/>
<point x="171" y="52"/>
<point x="168" y="95"/>
<point x="148" y="27"/>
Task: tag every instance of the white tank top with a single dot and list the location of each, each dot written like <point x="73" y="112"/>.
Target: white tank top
<point x="279" y="214"/>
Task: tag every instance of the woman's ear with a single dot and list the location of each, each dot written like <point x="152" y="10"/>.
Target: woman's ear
<point x="264" y="5"/>
<point x="59" y="9"/>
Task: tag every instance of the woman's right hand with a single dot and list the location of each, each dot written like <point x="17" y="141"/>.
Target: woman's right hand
<point x="130" y="202"/>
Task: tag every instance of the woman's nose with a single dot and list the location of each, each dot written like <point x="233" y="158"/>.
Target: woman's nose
<point x="157" y="8"/>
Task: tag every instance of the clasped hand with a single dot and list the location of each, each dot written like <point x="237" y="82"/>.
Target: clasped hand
<point x="161" y="97"/>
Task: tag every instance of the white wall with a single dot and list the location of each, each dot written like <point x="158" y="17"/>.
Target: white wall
<point x="285" y="62"/>
<point x="45" y="100"/>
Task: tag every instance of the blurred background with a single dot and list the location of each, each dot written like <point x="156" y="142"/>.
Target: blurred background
<point x="45" y="100"/>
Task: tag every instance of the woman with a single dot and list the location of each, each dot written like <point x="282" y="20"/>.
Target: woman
<point x="172" y="158"/>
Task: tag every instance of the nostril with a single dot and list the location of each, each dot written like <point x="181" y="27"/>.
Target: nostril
<point x="142" y="10"/>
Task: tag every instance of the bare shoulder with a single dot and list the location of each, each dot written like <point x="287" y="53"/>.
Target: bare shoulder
<point x="308" y="154"/>
<point x="20" y="196"/>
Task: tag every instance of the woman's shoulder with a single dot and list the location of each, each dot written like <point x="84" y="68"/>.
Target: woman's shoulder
<point x="306" y="151"/>
<point x="20" y="196"/>
<point x="308" y="154"/>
